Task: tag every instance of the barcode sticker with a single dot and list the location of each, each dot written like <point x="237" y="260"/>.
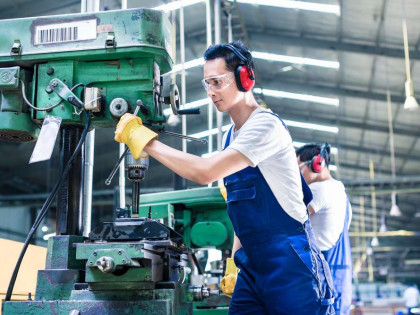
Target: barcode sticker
<point x="65" y="32"/>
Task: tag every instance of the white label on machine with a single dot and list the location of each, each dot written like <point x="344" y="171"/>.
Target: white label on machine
<point x="47" y="137"/>
<point x="65" y="32"/>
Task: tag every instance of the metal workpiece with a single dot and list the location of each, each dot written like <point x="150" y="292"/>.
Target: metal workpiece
<point x="199" y="293"/>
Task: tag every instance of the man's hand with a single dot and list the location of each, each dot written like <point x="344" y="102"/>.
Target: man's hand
<point x="227" y="285"/>
<point x="130" y="130"/>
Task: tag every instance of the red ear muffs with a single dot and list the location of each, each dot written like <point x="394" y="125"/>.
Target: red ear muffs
<point x="244" y="78"/>
<point x="317" y="163"/>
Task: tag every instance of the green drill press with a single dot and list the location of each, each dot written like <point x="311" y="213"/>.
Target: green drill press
<point x="104" y="64"/>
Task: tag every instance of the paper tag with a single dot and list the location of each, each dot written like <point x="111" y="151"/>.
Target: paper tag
<point x="46" y="140"/>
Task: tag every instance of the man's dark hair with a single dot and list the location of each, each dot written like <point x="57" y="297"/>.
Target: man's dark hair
<point x="232" y="60"/>
<point x="308" y="151"/>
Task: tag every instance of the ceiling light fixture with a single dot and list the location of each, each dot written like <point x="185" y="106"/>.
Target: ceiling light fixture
<point x="410" y="102"/>
<point x="297" y="96"/>
<point x="289" y="123"/>
<point x="395" y="210"/>
<point x="268" y="57"/>
<point x="296" y="60"/>
<point x="176" y="5"/>
<point x="299" y="5"/>
<point x="298" y="124"/>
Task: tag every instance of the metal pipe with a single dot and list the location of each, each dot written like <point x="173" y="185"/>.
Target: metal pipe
<point x="183" y="82"/>
<point x="217" y="40"/>
<point x="88" y="182"/>
<point x="89" y="150"/>
<point x="210" y="104"/>
<point x="121" y="177"/>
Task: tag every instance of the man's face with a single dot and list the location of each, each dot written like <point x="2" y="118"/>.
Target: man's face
<point x="305" y="170"/>
<point x="220" y="84"/>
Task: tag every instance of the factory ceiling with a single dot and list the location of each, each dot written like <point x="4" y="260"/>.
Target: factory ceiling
<point x="364" y="53"/>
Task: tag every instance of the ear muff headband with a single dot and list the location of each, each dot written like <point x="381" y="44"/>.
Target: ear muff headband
<point x="244" y="76"/>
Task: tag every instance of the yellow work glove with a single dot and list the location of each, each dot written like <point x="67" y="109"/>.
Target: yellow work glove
<point x="130" y="130"/>
<point x="227" y="285"/>
<point x="223" y="191"/>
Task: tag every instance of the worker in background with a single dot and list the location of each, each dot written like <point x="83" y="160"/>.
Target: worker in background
<point x="281" y="270"/>
<point x="411" y="299"/>
<point x="330" y="214"/>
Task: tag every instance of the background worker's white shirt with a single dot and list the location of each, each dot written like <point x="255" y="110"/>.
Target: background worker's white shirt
<point x="329" y="203"/>
<point x="267" y="144"/>
<point x="411" y="297"/>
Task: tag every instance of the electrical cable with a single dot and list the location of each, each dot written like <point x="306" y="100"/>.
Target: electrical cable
<point x="46" y="205"/>
<point x="45" y="108"/>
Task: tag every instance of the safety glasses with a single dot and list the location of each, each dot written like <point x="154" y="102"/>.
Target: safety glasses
<point x="218" y="82"/>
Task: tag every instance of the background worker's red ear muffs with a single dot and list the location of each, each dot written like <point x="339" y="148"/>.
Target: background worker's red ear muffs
<point x="318" y="161"/>
<point x="244" y="76"/>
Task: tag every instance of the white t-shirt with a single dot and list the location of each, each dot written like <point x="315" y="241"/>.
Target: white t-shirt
<point x="267" y="144"/>
<point x="411" y="297"/>
<point x="329" y="203"/>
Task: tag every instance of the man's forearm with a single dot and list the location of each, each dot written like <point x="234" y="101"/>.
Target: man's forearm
<point x="195" y="168"/>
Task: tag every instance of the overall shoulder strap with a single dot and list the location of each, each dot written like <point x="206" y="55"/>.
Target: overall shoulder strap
<point x="228" y="138"/>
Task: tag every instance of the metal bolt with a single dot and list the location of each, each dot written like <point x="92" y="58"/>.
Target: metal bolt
<point x="95" y="253"/>
<point x="55" y="83"/>
<point x="50" y="70"/>
<point x="119" y="252"/>
<point x="123" y="261"/>
<point x="90" y="262"/>
<point x="48" y="89"/>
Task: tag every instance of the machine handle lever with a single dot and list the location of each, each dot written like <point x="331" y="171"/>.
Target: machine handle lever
<point x="189" y="111"/>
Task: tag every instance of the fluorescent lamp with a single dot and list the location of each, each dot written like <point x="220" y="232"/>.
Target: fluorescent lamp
<point x="176" y="5"/>
<point x="332" y="167"/>
<point x="266" y="56"/>
<point x="299" y="5"/>
<point x="210" y="132"/>
<point x="412" y="261"/>
<point x="298" y="124"/>
<point x="187" y="65"/>
<point x="291" y="123"/>
<point x="298" y="144"/>
<point x="296" y="60"/>
<point x="296" y="96"/>
<point x="198" y="103"/>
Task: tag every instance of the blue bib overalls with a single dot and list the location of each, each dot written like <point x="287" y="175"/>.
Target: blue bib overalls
<point x="339" y="260"/>
<point x="282" y="271"/>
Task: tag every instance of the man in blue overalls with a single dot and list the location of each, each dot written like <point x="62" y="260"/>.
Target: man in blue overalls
<point x="330" y="218"/>
<point x="281" y="269"/>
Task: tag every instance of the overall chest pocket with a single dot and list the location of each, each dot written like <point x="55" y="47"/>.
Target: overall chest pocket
<point x="245" y="211"/>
